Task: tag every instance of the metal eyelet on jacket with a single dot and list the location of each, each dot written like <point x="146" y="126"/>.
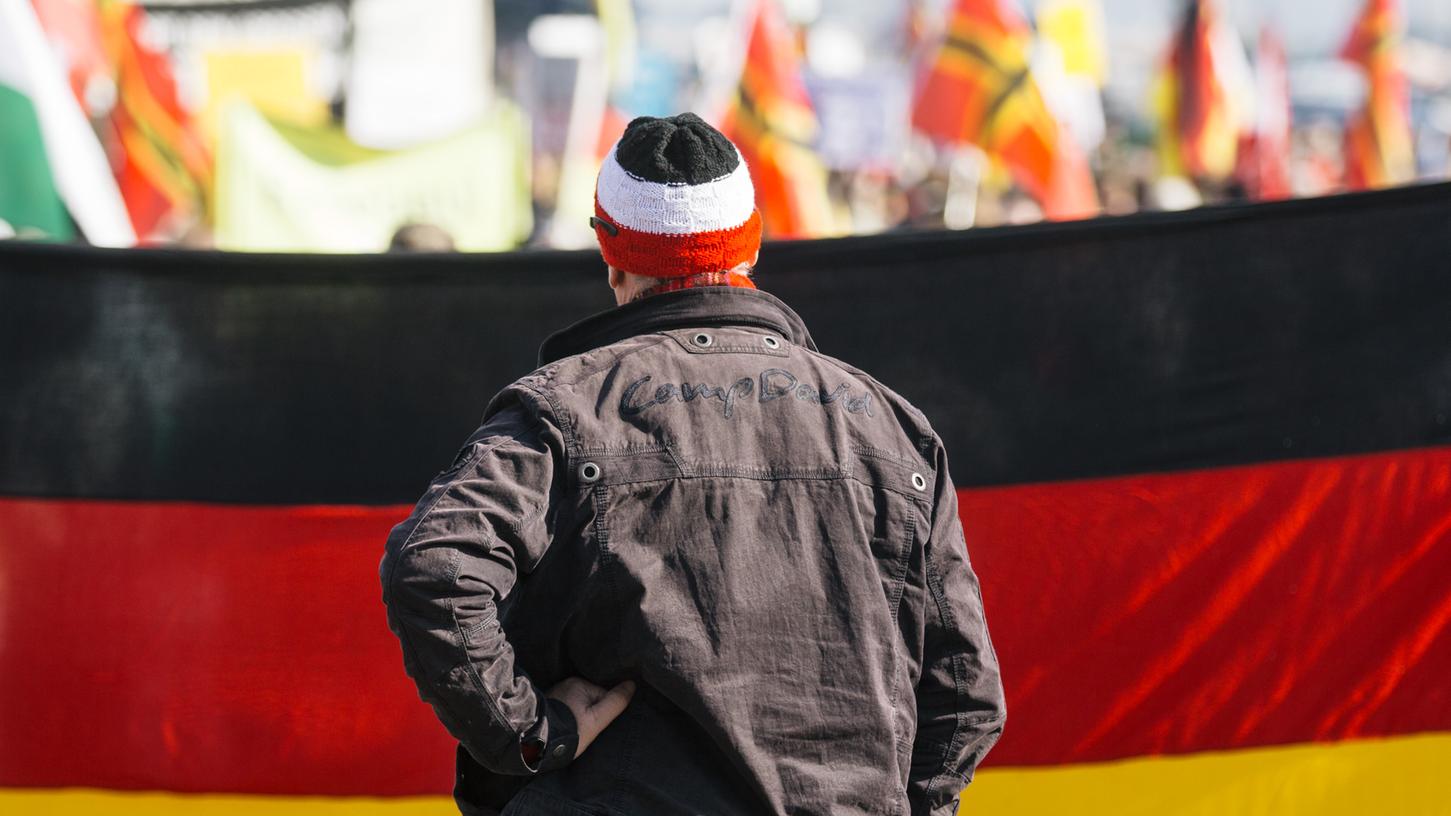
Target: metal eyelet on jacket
<point x="589" y="472"/>
<point x="919" y="482"/>
<point x="702" y="339"/>
<point x="771" y="342"/>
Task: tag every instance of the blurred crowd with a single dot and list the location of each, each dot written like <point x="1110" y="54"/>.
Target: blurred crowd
<point x="441" y="125"/>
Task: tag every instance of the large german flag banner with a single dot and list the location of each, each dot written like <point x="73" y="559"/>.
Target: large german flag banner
<point x="979" y="90"/>
<point x="1204" y="466"/>
<point x="1378" y="143"/>
<point x="771" y="120"/>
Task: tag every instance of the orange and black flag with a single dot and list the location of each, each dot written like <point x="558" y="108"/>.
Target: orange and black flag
<point x="980" y="90"/>
<point x="1200" y="118"/>
<point x="163" y="165"/>
<point x="1378" y="149"/>
<point x="772" y="122"/>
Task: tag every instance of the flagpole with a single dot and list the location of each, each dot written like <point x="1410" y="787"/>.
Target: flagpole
<point x="964" y="179"/>
<point x="716" y="88"/>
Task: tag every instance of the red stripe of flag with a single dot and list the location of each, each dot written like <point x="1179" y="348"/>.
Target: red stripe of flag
<point x="229" y="648"/>
<point x="1261" y="605"/>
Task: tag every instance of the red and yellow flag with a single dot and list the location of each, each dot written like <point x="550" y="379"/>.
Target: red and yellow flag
<point x="1378" y="145"/>
<point x="161" y="161"/>
<point x="772" y="122"/>
<point x="1200" y="113"/>
<point x="980" y="90"/>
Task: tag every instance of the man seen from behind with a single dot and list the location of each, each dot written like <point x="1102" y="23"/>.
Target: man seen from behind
<point x="691" y="564"/>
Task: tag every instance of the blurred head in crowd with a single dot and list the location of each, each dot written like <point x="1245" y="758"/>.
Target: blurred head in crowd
<point x="675" y="209"/>
<point x="421" y="238"/>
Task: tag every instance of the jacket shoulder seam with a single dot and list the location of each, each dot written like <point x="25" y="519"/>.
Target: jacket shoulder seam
<point x="591" y="371"/>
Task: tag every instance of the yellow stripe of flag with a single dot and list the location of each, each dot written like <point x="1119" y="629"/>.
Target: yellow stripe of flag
<point x="1402" y="775"/>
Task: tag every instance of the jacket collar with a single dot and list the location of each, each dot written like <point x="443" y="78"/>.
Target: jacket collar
<point x="700" y="306"/>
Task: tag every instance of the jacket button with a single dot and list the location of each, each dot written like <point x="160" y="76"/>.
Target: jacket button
<point x="558" y="751"/>
<point x="919" y="482"/>
<point x="702" y="339"/>
<point x="771" y="342"/>
<point x="589" y="472"/>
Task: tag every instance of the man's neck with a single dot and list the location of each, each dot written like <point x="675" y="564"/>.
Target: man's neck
<point x="725" y="278"/>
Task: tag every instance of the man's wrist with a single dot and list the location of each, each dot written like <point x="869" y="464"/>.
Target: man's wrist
<point x="552" y="741"/>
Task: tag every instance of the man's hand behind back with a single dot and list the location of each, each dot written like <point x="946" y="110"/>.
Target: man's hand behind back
<point x="594" y="707"/>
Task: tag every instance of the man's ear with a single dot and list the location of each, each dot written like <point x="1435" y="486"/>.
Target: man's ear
<point x="617" y="277"/>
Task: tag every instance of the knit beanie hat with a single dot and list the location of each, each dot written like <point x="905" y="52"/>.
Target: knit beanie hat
<point x="674" y="200"/>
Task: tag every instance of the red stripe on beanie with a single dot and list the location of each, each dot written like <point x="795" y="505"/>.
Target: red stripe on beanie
<point x="673" y="256"/>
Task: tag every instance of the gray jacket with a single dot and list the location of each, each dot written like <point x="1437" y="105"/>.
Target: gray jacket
<point x="688" y="494"/>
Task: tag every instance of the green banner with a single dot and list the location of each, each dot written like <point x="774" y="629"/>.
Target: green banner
<point x="29" y="203"/>
<point x="282" y="188"/>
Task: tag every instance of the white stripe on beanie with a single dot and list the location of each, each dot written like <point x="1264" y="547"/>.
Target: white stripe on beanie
<point x="675" y="209"/>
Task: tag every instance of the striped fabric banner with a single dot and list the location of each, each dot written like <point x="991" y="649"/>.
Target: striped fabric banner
<point x="1204" y="467"/>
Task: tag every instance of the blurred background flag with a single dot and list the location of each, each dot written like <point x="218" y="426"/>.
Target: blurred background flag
<point x="1378" y="144"/>
<point x="771" y="120"/>
<point x="980" y="90"/>
<point x="73" y="28"/>
<point x="1264" y="160"/>
<point x="66" y="161"/>
<point x="162" y="163"/>
<point x="1075" y="28"/>
<point x="29" y="202"/>
<point x="1203" y="97"/>
<point x="127" y="88"/>
<point x="1070" y="64"/>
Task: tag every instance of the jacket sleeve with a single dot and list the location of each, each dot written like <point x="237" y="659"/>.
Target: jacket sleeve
<point x="960" y="705"/>
<point x="481" y="523"/>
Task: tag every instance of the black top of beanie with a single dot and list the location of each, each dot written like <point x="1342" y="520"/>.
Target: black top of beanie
<point x="680" y="149"/>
